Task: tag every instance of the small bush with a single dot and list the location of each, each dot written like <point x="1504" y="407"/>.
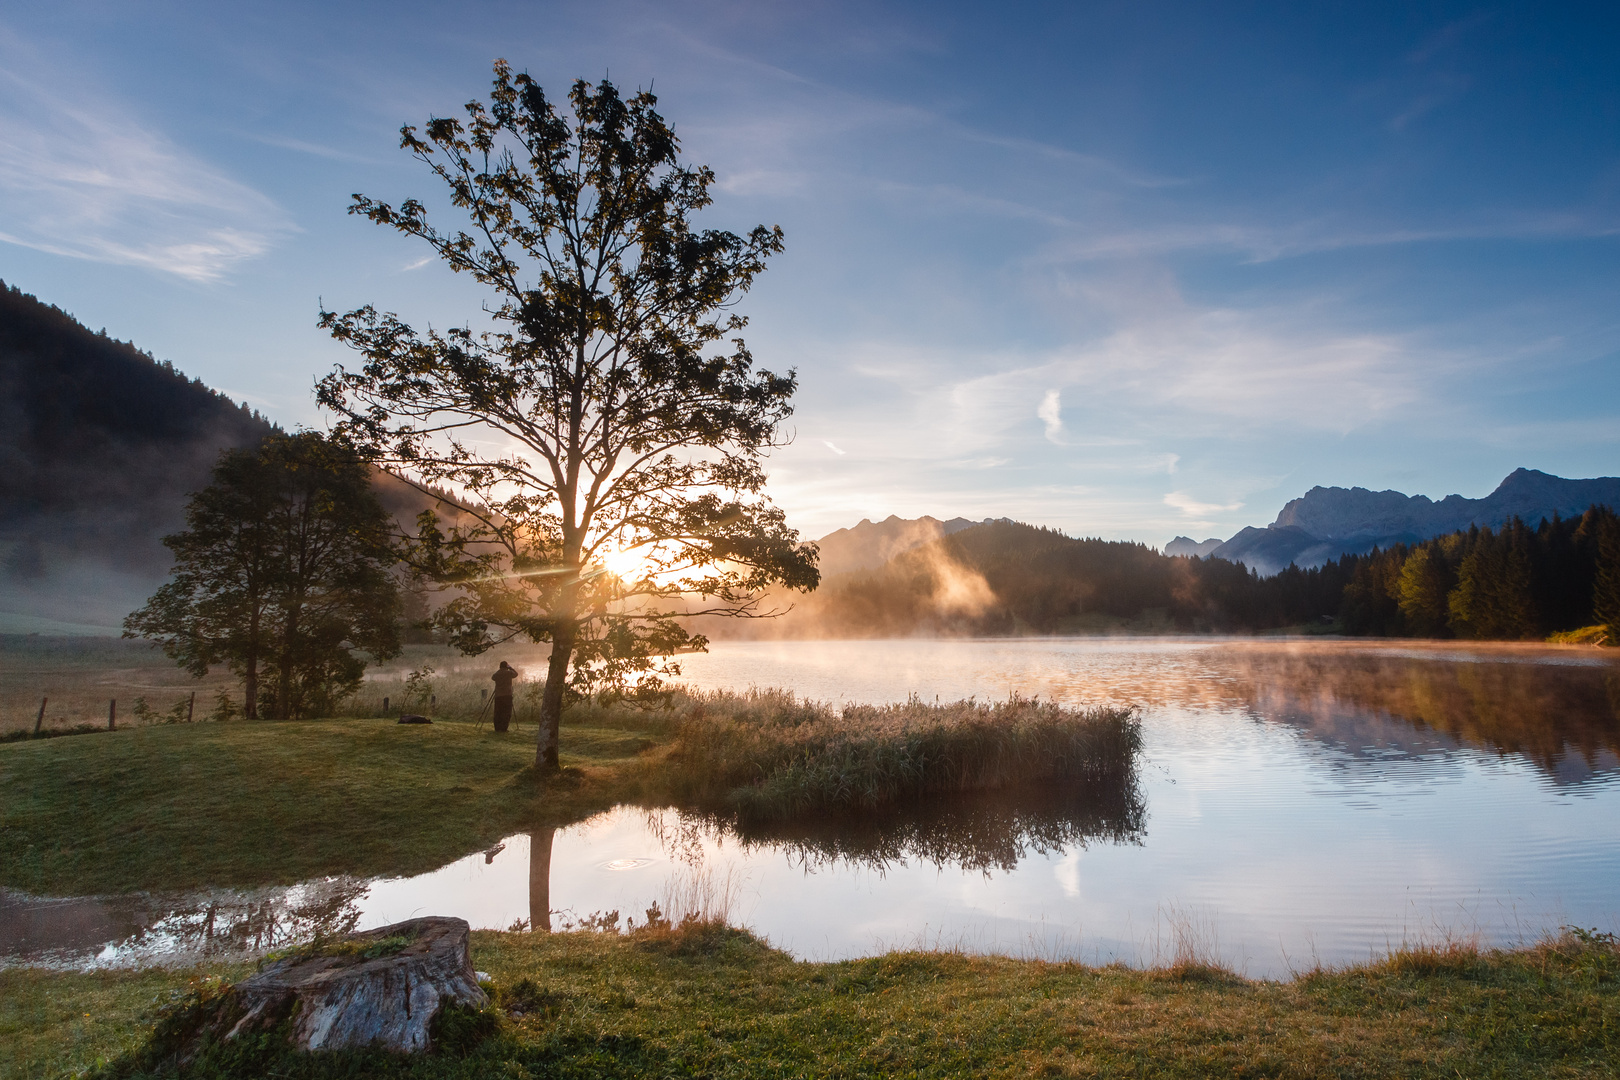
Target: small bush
<point x="1455" y="958"/>
<point x="1586" y="635"/>
<point x="696" y="936"/>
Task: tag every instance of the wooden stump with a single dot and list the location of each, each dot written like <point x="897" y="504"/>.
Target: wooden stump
<point x="344" y="999"/>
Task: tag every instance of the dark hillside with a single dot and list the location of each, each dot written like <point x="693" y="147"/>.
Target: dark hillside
<point x="1004" y="577"/>
<point x="99" y="446"/>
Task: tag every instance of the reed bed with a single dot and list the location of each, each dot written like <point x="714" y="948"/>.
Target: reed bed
<point x="768" y="756"/>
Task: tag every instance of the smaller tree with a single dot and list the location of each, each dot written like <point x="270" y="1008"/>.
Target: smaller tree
<point x="1493" y="598"/>
<point x="284" y="573"/>
<point x="1606" y="586"/>
<point x="1422" y="588"/>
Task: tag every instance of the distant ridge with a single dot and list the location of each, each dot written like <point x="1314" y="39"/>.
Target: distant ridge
<point x="1327" y="522"/>
<point x="101" y="445"/>
<point x="869" y="545"/>
<point x="1186" y="545"/>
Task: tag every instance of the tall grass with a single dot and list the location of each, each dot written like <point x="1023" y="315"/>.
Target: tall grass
<point x="768" y="756"/>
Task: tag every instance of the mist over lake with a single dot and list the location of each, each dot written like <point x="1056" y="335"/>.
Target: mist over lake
<point x="1299" y="802"/>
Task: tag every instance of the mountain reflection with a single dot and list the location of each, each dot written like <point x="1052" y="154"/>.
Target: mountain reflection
<point x="981" y="832"/>
<point x="1564" y="717"/>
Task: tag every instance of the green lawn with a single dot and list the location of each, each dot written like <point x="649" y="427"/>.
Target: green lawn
<point x="713" y="1002"/>
<point x="193" y="805"/>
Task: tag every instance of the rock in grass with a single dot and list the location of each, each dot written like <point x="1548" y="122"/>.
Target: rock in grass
<point x="414" y="718"/>
<point x="383" y="989"/>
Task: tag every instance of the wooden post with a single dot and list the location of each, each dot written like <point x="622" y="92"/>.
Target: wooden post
<point x="41" y="718"/>
<point x="191" y="708"/>
<point x="112" y="715"/>
<point x="433" y="703"/>
<point x="385" y="706"/>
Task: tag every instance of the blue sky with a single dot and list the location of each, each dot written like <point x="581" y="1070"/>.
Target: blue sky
<point x="1131" y="270"/>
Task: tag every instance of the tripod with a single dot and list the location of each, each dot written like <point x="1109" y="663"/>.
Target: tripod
<point x="482" y="710"/>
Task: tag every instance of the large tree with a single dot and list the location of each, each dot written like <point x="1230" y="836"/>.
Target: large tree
<point x="608" y="427"/>
<point x="285" y="573"/>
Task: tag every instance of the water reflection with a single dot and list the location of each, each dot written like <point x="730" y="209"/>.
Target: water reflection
<point x="131" y="930"/>
<point x="979" y="833"/>
<point x="1563" y="717"/>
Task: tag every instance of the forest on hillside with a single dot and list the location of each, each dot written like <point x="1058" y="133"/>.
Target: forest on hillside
<point x="1006" y="578"/>
<point x="100" y="443"/>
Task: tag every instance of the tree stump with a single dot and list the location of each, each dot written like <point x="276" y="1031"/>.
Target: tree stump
<point x="339" y="998"/>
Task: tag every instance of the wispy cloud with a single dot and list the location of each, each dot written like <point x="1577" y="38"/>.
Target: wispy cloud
<point x="283" y="142"/>
<point x="80" y="179"/>
<point x="1050" y="413"/>
<point x="1180" y="500"/>
<point x="833" y="448"/>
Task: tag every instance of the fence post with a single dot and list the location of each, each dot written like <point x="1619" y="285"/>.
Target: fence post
<point x="191" y="708"/>
<point x="385" y="706"/>
<point x="40" y="719"/>
<point x="112" y="715"/>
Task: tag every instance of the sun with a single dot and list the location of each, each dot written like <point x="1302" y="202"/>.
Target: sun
<point x="626" y="563"/>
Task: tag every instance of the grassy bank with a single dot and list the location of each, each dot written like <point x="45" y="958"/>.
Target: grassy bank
<point x="707" y="1000"/>
<point x="236" y="804"/>
<point x="182" y="806"/>
<point x="770" y="757"/>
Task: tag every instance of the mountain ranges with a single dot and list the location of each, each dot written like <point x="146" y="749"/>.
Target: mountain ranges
<point x="1327" y="522"/>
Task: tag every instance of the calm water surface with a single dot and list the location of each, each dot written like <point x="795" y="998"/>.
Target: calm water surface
<point x="1299" y="802"/>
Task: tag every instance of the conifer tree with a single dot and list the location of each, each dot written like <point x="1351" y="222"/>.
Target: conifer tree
<point x="1606" y="586"/>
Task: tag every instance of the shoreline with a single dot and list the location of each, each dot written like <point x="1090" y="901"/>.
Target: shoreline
<point x="704" y="998"/>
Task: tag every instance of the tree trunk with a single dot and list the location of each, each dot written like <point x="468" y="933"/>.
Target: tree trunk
<point x="562" y="646"/>
<point x="250" y="707"/>
<point x="289" y="642"/>
<point x="540" y="878"/>
<point x="284" y="687"/>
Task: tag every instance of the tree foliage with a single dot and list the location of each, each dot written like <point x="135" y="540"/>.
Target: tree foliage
<point x="284" y="573"/>
<point x="609" y="428"/>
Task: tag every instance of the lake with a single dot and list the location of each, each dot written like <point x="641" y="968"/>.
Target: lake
<point x="1299" y="802"/>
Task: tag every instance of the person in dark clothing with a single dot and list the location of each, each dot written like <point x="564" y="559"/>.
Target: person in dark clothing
<point x="504" y="677"/>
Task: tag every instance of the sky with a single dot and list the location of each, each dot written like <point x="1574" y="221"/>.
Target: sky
<point x="1131" y="270"/>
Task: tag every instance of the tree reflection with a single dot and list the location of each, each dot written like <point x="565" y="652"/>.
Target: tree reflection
<point x="540" y="878"/>
<point x="981" y="832"/>
<point x="222" y="924"/>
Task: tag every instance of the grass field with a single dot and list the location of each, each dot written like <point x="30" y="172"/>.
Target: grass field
<point x="174" y="807"/>
<point x="706" y="1000"/>
<point x="79" y="676"/>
